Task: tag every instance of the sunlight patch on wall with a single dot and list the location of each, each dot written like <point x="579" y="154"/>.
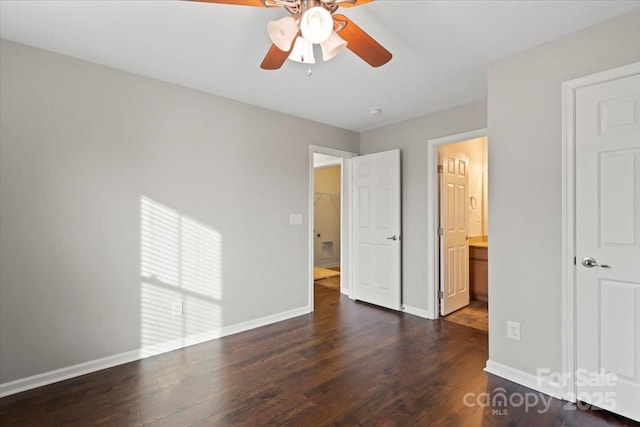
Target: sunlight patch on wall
<point x="181" y="270"/>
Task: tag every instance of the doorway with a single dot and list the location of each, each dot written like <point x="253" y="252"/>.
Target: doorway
<point x="458" y="237"/>
<point x="370" y="238"/>
<point x="327" y="209"/>
<point x="463" y="232"/>
<point x="330" y="233"/>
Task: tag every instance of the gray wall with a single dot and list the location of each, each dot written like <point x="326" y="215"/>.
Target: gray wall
<point x="525" y="173"/>
<point x="81" y="146"/>
<point x="411" y="137"/>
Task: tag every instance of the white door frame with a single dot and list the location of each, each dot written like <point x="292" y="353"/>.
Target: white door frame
<point x="569" y="216"/>
<point x="433" y="244"/>
<point x="346" y="229"/>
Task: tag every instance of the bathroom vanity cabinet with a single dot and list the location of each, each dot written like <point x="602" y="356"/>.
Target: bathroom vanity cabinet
<point x="478" y="272"/>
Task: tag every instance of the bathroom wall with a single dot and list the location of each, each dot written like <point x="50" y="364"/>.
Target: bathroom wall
<point x="476" y="152"/>
<point x="485" y="186"/>
<point x="327" y="216"/>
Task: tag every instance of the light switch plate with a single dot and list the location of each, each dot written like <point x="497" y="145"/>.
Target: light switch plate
<point x="295" y="219"/>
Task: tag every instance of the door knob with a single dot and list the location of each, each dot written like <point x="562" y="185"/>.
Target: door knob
<point x="394" y="238"/>
<point x="590" y="263"/>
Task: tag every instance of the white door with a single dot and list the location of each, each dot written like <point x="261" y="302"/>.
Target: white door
<point x="454" y="230"/>
<point x="608" y="245"/>
<point x="376" y="180"/>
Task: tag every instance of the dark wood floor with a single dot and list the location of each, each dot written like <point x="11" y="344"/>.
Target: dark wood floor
<point x="346" y="364"/>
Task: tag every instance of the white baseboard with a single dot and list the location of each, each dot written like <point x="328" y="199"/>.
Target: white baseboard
<point x="526" y="379"/>
<point x="263" y="321"/>
<point x="416" y="311"/>
<point x="45" y="378"/>
<point x="328" y="265"/>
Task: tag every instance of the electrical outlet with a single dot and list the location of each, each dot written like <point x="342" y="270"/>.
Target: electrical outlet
<point x="513" y="330"/>
<point x="176" y="308"/>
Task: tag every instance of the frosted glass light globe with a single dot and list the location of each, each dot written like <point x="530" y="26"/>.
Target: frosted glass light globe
<point x="282" y="32"/>
<point x="316" y="25"/>
<point x="302" y="51"/>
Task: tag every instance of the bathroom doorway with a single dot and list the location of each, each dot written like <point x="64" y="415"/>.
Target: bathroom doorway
<point x="457" y="233"/>
<point x="463" y="232"/>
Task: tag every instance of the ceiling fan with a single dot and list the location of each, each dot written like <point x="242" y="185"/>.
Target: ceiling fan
<point x="314" y="22"/>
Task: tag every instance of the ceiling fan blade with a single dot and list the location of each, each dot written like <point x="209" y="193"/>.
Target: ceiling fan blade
<point x="355" y="3"/>
<point x="274" y="58"/>
<point x="362" y="44"/>
<point x="256" y="3"/>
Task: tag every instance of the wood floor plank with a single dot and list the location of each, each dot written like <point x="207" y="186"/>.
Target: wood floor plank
<point x="347" y="363"/>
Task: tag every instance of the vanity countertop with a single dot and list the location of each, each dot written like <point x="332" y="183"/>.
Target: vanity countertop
<point x="480" y="244"/>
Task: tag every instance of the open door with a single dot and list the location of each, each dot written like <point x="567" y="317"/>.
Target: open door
<point x="376" y="182"/>
<point x="454" y="233"/>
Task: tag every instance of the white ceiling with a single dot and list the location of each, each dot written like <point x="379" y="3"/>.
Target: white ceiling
<point x="321" y="160"/>
<point x="441" y="49"/>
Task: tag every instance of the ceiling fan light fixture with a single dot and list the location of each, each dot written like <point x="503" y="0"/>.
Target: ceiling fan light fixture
<point x="332" y="46"/>
<point x="282" y="32"/>
<point x="316" y="24"/>
<point x="302" y="51"/>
